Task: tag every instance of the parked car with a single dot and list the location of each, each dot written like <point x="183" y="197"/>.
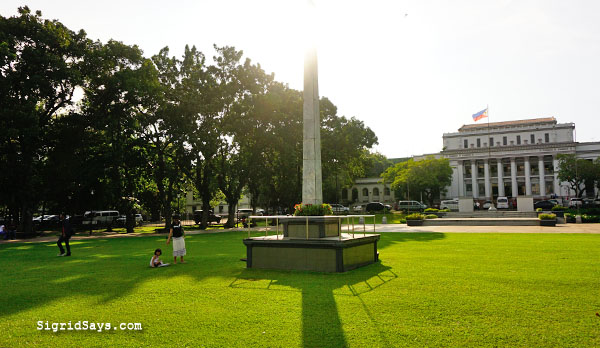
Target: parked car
<point x="487" y="205"/>
<point x="411" y="206"/>
<point x="451" y="204"/>
<point x="339" y="209"/>
<point x="211" y="217"/>
<point x="357" y="208"/>
<point x="502" y="203"/>
<point x="122" y="219"/>
<point x="48" y="221"/>
<point x="388" y="207"/>
<point x="575" y="202"/>
<point x="100" y="217"/>
<point x="374" y="207"/>
<point x="545" y="205"/>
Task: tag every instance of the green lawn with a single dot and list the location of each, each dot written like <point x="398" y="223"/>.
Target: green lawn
<point x="430" y="289"/>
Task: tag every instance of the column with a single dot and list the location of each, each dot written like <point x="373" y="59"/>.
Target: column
<point x="527" y="177"/>
<point x="500" y="178"/>
<point x="542" y="176"/>
<point x="488" y="181"/>
<point x="556" y="183"/>
<point x="513" y="177"/>
<point x="461" y="179"/>
<point x="474" y="179"/>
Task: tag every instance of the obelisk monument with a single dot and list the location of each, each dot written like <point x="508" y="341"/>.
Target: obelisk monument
<point x="312" y="187"/>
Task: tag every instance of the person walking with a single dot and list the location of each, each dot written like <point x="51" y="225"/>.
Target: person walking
<point x="65" y="235"/>
<point x="176" y="232"/>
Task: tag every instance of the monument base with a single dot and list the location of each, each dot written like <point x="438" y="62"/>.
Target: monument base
<point x="329" y="254"/>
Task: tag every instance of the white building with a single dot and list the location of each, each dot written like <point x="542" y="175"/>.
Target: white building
<point x="514" y="158"/>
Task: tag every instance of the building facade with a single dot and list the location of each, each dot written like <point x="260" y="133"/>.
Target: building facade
<point x="367" y="190"/>
<point x="514" y="158"/>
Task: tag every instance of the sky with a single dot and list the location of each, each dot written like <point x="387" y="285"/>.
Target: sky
<point x="411" y="70"/>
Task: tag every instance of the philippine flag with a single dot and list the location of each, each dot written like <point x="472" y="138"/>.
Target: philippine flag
<point x="481" y="114"/>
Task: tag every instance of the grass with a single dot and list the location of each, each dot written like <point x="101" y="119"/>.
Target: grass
<point x="430" y="289"/>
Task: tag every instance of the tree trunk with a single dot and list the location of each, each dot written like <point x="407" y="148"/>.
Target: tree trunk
<point x="231" y="215"/>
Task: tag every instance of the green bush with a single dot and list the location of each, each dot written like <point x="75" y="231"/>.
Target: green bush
<point x="402" y="220"/>
<point x="312" y="209"/>
<point x="559" y="208"/>
<point x="444" y="210"/>
<point x="431" y="216"/>
<point x="538" y="209"/>
<point x="590" y="218"/>
<point x="431" y="210"/>
<point x="415" y="216"/>
<point x="547" y="216"/>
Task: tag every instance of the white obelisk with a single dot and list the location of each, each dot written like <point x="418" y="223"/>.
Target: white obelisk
<point x="312" y="187"/>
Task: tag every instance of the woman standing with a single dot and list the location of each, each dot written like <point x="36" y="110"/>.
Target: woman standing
<point x="176" y="233"/>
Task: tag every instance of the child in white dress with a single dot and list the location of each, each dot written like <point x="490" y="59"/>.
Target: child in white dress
<point x="155" y="261"/>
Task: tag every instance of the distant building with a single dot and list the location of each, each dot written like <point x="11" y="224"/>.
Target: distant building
<point x="513" y="158"/>
<point x="367" y="190"/>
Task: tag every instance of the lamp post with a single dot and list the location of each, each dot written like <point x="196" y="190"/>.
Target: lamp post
<point x="91" y="214"/>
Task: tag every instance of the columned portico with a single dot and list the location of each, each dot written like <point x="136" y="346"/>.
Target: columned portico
<point x="556" y="182"/>
<point x="542" y="176"/>
<point x="461" y="179"/>
<point x="474" y="185"/>
<point x="513" y="177"/>
<point x="527" y="177"/>
<point x="500" y="178"/>
<point x="487" y="180"/>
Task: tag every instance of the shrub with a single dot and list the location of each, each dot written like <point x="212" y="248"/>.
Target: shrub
<point x="558" y="208"/>
<point x="538" y="209"/>
<point x="312" y="209"/>
<point x="444" y="210"/>
<point x="431" y="216"/>
<point x="431" y="210"/>
<point x="590" y="218"/>
<point x="402" y="220"/>
<point x="415" y="216"/>
<point x="547" y="216"/>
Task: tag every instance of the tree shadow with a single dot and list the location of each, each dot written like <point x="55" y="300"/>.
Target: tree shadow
<point x="103" y="269"/>
<point x="321" y="324"/>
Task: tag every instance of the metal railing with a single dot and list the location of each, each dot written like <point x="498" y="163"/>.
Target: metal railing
<point x="340" y="219"/>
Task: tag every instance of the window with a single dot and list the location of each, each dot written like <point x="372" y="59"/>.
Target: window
<point x="344" y="193"/>
<point x="478" y="142"/>
<point x="547" y="137"/>
<point x="386" y="191"/>
<point x="365" y="192"/>
<point x="354" y="194"/>
<point x="532" y="139"/>
<point x="504" y="141"/>
<point x="466" y="143"/>
<point x="491" y="142"/>
<point x="375" y="191"/>
<point x="518" y="140"/>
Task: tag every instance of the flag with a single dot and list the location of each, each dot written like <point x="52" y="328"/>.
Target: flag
<point x="481" y="114"/>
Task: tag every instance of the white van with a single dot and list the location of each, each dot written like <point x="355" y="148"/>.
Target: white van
<point x="100" y="217"/>
<point x="502" y="203"/>
<point x="451" y="204"/>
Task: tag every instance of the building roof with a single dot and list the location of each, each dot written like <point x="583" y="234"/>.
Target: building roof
<point x="543" y="120"/>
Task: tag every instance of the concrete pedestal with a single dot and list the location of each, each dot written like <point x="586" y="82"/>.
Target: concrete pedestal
<point x="525" y="203"/>
<point x="465" y="204"/>
<point x="321" y="255"/>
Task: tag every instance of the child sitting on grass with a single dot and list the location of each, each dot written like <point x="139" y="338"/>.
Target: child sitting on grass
<point x="155" y="261"/>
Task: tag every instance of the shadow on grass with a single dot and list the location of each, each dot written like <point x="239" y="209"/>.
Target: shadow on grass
<point x="106" y="269"/>
<point x="321" y="324"/>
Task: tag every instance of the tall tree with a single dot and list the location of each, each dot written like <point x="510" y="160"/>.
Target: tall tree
<point x="429" y="176"/>
<point x="577" y="172"/>
<point x="40" y="67"/>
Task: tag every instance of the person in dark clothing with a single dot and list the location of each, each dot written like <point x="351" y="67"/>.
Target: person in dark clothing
<point x="65" y="235"/>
